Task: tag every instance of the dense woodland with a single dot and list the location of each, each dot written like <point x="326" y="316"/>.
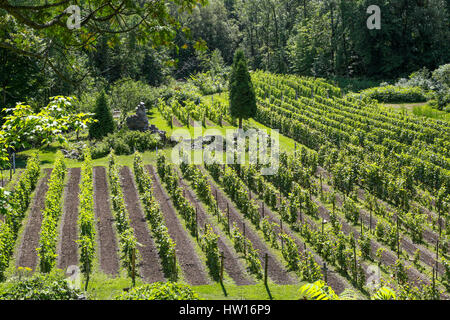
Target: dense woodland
<point x="322" y="38"/>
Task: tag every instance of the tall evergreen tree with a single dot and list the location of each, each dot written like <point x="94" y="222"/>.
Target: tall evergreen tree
<point x="242" y="93"/>
<point x="105" y="121"/>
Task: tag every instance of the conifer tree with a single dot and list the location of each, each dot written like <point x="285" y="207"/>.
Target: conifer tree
<point x="105" y="121"/>
<point x="242" y="94"/>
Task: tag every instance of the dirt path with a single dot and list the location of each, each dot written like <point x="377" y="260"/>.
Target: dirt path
<point x="30" y="239"/>
<point x="108" y="252"/>
<point x="275" y="269"/>
<point x="231" y="260"/>
<point x="192" y="266"/>
<point x="150" y="266"/>
<point x="68" y="249"/>
<point x="209" y="123"/>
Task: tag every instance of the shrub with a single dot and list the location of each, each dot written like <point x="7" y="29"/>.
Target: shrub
<point x="40" y="286"/>
<point x="393" y="94"/>
<point x="160" y="291"/>
<point x="100" y="150"/>
<point x="124" y="143"/>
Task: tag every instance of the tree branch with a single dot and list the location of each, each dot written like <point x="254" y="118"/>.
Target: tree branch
<point x="5" y="5"/>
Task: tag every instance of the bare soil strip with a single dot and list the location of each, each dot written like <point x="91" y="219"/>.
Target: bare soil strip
<point x="108" y="252"/>
<point x="30" y="239"/>
<point x="275" y="269"/>
<point x="68" y="249"/>
<point x="192" y="266"/>
<point x="176" y="122"/>
<point x="231" y="261"/>
<point x="150" y="266"/>
<point x="209" y="123"/>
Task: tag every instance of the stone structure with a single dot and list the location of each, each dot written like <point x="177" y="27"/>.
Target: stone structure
<point x="139" y="121"/>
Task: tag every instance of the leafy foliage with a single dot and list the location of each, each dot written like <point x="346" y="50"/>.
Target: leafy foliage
<point x="86" y="217"/>
<point x="127" y="239"/>
<point x="317" y="291"/>
<point x="165" y="244"/>
<point x="393" y="94"/>
<point x="14" y="213"/>
<point x="160" y="291"/>
<point x="53" y="210"/>
<point x="53" y="286"/>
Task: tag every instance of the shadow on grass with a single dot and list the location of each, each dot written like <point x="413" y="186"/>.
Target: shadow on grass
<point x="268" y="291"/>
<point x="223" y="289"/>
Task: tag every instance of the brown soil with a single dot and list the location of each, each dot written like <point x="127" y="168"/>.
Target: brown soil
<point x="193" y="268"/>
<point x="231" y="262"/>
<point x="150" y="266"/>
<point x="68" y="250"/>
<point x="177" y="122"/>
<point x="275" y="269"/>
<point x="108" y="252"/>
<point x="209" y="123"/>
<point x="28" y="255"/>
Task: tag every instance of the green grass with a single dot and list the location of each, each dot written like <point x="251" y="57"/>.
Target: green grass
<point x="104" y="287"/>
<point x="252" y="292"/>
<point x="47" y="155"/>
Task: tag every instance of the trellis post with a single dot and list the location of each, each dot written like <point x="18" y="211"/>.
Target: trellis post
<point x="266" y="262"/>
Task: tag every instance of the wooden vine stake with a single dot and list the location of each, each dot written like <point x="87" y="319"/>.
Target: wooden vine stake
<point x="196" y="223"/>
<point x="263" y="209"/>
<point x="221" y="267"/>
<point x="228" y="217"/>
<point x="133" y="266"/>
<point x="245" y="242"/>
<point x="356" y="265"/>
<point x="325" y="272"/>
<point x="398" y="241"/>
<point x="88" y="271"/>
<point x="437" y="254"/>
<point x="362" y="227"/>
<point x="321" y="188"/>
<point x="175" y="270"/>
<point x="282" y="241"/>
<point x="434" y="281"/>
